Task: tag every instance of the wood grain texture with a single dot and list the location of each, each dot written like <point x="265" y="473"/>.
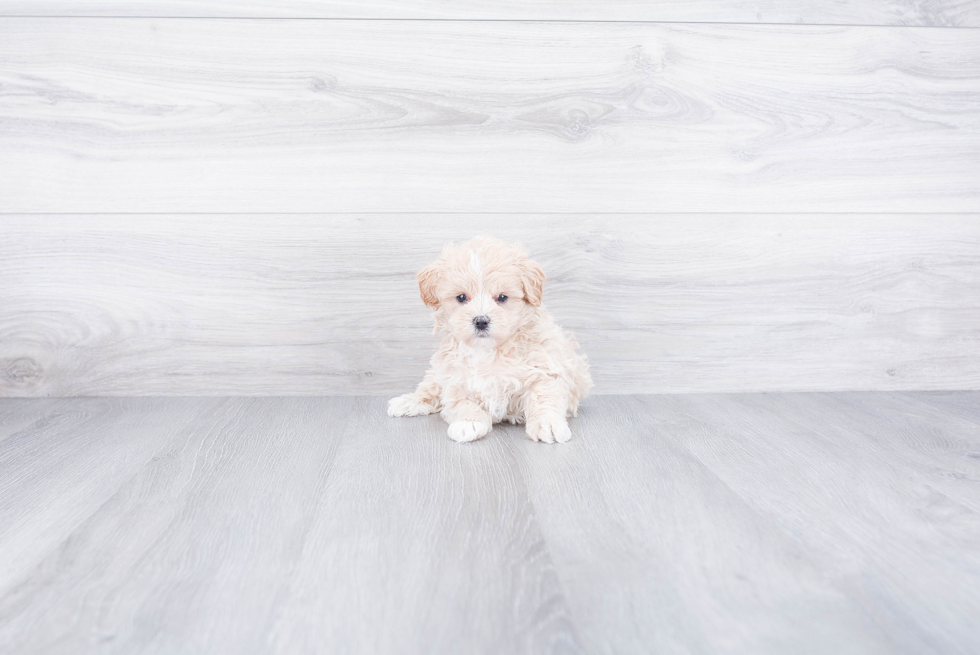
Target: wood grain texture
<point x="657" y="554"/>
<point x="17" y="416"/>
<point x="957" y="403"/>
<point x="46" y="468"/>
<point x="438" y="545"/>
<point x="299" y="525"/>
<point x="884" y="503"/>
<point x="143" y="115"/>
<point x="803" y="523"/>
<point x="272" y="305"/>
<point x="191" y="552"/>
<point x="959" y="13"/>
<point x="824" y="494"/>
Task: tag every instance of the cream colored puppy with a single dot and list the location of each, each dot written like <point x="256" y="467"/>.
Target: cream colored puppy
<point x="502" y="358"/>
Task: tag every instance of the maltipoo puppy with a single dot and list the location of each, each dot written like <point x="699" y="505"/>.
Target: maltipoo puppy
<point x="502" y="358"/>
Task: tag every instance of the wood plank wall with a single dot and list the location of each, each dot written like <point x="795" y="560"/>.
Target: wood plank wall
<point x="727" y="196"/>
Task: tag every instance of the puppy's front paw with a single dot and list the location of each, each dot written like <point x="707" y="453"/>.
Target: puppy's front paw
<point x="549" y="429"/>
<point x="408" y="405"/>
<point x="461" y="431"/>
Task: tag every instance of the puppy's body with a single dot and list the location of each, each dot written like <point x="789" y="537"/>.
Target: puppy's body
<point x="502" y="358"/>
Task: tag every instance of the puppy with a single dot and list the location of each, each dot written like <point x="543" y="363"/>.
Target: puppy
<point x="502" y="358"/>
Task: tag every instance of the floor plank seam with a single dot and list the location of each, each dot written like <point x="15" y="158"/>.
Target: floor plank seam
<point x="565" y="598"/>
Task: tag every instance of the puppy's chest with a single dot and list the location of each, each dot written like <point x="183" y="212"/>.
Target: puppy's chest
<point x="490" y="380"/>
<point x="494" y="383"/>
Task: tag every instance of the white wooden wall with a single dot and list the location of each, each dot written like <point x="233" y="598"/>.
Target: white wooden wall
<point x="727" y="196"/>
<point x="942" y="13"/>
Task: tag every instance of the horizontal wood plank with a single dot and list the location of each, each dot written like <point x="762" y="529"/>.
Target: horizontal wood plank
<point x="144" y="115"/>
<point x="959" y="13"/>
<point x="289" y="304"/>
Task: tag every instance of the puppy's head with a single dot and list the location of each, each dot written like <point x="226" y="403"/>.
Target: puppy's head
<point x="482" y="291"/>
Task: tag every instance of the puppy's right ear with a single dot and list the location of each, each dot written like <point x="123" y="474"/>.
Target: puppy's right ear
<point x="532" y="277"/>
<point x="428" y="279"/>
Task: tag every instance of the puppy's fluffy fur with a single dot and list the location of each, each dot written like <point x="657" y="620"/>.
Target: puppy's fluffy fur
<point x="502" y="358"/>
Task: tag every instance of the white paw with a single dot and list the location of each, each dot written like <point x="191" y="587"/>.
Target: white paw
<point x="467" y="430"/>
<point x="408" y="405"/>
<point x="549" y="429"/>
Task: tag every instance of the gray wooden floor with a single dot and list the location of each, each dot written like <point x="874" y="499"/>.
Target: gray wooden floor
<point x="765" y="523"/>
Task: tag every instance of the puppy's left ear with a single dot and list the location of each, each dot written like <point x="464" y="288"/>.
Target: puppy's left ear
<point x="532" y="277"/>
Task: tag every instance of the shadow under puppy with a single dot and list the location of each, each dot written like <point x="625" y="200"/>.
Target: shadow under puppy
<point x="502" y="358"/>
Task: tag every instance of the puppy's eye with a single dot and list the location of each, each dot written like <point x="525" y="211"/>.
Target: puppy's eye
<point x="501" y="298"/>
<point x="461" y="297"/>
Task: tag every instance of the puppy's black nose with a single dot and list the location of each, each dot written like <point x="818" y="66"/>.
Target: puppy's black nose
<point x="481" y="323"/>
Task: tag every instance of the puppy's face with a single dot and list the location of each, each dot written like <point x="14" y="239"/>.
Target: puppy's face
<point x="482" y="290"/>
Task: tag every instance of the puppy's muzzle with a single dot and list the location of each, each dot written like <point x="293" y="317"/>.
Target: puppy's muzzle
<point x="481" y="323"/>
